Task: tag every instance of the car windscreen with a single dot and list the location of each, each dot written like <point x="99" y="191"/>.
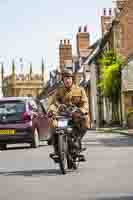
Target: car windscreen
<point x="11" y="110"/>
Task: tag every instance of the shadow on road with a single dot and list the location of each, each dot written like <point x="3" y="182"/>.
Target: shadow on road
<point x="17" y="148"/>
<point x="47" y="172"/>
<point x="116" y="198"/>
<point x="121" y="141"/>
<point x="13" y="147"/>
<point x="107" y="141"/>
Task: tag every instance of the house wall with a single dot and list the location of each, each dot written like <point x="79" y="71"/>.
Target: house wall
<point x="128" y="101"/>
<point x="127" y="107"/>
<point x="127" y="89"/>
<point x="126" y="30"/>
<point x="93" y="95"/>
<point x="120" y="39"/>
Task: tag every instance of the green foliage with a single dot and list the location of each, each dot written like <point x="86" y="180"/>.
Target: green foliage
<point x="110" y="80"/>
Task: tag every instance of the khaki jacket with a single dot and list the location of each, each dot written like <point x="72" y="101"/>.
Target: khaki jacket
<point x="75" y="95"/>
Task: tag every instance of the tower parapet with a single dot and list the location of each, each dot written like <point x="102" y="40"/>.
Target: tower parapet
<point x="42" y="68"/>
<point x="13" y="71"/>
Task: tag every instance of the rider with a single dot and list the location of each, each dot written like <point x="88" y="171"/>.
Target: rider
<point x="67" y="94"/>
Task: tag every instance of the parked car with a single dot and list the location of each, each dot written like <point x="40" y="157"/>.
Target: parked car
<point x="22" y="120"/>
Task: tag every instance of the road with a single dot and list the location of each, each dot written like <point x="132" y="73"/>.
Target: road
<point x="29" y="174"/>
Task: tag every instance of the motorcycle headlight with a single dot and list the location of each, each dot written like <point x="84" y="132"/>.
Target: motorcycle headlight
<point x="69" y="130"/>
<point x="62" y="123"/>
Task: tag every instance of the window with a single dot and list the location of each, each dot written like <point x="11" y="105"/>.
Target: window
<point x="11" y="110"/>
<point x="11" y="107"/>
<point x="39" y="108"/>
<point x="33" y="106"/>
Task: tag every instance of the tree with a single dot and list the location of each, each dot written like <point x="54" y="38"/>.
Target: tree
<point x="110" y="80"/>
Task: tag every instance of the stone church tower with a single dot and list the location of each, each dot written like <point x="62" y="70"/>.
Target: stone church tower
<point x="29" y="84"/>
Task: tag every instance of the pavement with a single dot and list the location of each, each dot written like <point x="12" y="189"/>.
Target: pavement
<point x="118" y="130"/>
<point x="29" y="174"/>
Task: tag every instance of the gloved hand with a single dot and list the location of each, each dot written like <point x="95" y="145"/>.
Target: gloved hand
<point x="76" y="114"/>
<point x="50" y="114"/>
<point x="62" y="108"/>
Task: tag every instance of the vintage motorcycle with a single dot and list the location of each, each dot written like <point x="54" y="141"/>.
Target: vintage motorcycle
<point x="68" y="139"/>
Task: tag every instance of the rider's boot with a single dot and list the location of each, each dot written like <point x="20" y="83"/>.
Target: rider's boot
<point x="78" y="145"/>
<point x="81" y="158"/>
<point x="54" y="155"/>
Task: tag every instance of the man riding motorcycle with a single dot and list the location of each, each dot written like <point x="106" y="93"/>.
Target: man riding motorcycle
<point x="69" y="94"/>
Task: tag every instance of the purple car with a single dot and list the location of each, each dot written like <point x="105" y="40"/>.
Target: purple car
<point x="22" y="120"/>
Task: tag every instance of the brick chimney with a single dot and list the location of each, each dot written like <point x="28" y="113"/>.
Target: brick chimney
<point x="65" y="53"/>
<point x="106" y="20"/>
<point x="83" y="40"/>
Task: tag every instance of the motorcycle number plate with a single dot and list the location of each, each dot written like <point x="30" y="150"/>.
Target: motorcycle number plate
<point x="62" y="123"/>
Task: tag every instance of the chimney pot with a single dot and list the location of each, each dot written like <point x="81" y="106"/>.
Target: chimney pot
<point x="85" y="29"/>
<point x="104" y="11"/>
<point x="61" y="42"/>
<point x="68" y="41"/>
<point x="110" y="12"/>
<point x="80" y="29"/>
<point x="64" y="41"/>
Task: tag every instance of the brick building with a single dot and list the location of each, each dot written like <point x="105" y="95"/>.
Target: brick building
<point x="118" y="26"/>
<point x="117" y="35"/>
<point x="118" y="30"/>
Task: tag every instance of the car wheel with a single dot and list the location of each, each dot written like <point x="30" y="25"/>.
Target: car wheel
<point x="49" y="141"/>
<point x="49" y="138"/>
<point x="3" y="147"/>
<point x="35" y="140"/>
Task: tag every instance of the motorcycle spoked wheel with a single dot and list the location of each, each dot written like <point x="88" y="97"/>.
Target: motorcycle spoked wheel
<point x="62" y="152"/>
<point x="75" y="160"/>
<point x="72" y="159"/>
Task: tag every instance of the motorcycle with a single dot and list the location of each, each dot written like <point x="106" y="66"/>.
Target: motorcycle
<point x="68" y="140"/>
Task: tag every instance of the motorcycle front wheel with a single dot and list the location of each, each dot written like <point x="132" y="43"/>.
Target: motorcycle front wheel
<point x="62" y="152"/>
<point x="76" y="152"/>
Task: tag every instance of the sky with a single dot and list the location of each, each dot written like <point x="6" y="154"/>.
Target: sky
<point x="32" y="29"/>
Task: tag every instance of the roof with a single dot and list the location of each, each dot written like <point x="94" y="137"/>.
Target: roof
<point x="97" y="50"/>
<point x="85" y="83"/>
<point x="129" y="58"/>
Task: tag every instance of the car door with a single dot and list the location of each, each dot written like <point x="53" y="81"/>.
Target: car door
<point x="43" y="121"/>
